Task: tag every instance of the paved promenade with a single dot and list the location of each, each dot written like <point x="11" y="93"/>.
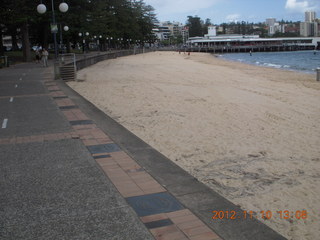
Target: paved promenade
<point x="68" y="171"/>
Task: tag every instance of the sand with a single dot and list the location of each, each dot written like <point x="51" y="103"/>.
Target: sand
<point x="250" y="133"/>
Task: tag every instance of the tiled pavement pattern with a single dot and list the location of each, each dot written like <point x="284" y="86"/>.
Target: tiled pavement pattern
<point x="50" y="186"/>
<point x="157" y="209"/>
<point x="161" y="213"/>
<point x="62" y="177"/>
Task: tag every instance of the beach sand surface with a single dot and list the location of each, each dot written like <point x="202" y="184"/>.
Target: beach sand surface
<point x="250" y="133"/>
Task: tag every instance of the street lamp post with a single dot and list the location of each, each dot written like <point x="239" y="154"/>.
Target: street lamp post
<point x="84" y="40"/>
<point x="96" y="41"/>
<point x="66" y="29"/>
<point x="99" y="43"/>
<point x="110" y="39"/>
<point x="63" y="7"/>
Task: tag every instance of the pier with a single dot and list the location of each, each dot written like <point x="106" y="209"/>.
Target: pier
<point x="239" y="43"/>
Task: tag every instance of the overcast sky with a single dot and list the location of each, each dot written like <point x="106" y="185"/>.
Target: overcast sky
<point x="220" y="11"/>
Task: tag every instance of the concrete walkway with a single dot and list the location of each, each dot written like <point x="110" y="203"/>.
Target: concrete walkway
<point x="68" y="171"/>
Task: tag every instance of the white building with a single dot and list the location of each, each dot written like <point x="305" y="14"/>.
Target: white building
<point x="305" y="29"/>
<point x="273" y="26"/>
<point x="270" y="22"/>
<point x="174" y="27"/>
<point x="162" y="33"/>
<point x="212" y="31"/>
<point x="164" y="30"/>
<point x="309" y="28"/>
<point x="310" y="16"/>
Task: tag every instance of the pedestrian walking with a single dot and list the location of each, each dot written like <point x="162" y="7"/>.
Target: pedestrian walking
<point x="45" y="55"/>
<point x="38" y="55"/>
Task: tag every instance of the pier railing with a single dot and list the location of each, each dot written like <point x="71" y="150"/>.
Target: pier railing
<point x="247" y="48"/>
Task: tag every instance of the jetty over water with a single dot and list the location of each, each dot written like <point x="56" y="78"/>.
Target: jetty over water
<point x="247" y="43"/>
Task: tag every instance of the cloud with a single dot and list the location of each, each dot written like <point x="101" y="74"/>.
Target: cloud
<point x="166" y="7"/>
<point x="302" y="6"/>
<point x="233" y="17"/>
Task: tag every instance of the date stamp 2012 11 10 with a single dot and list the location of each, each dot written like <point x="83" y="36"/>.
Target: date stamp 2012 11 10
<point x="282" y="214"/>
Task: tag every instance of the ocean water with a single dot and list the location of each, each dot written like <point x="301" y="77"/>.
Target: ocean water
<point x="302" y="61"/>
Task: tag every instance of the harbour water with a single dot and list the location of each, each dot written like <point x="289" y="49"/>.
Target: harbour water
<point x="303" y="61"/>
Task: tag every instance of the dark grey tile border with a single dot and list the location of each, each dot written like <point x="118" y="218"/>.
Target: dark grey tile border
<point x="59" y="97"/>
<point x="68" y="107"/>
<point x="104" y="148"/>
<point x="160" y="223"/>
<point x="194" y="195"/>
<point x="151" y="204"/>
<point x="102" y="156"/>
<point x="81" y="122"/>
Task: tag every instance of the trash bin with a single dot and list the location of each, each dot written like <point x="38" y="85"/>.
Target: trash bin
<point x="4" y="61"/>
<point x="318" y="74"/>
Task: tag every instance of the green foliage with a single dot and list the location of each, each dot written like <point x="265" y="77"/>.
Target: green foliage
<point x="127" y="19"/>
<point x="172" y="41"/>
<point x="244" y="28"/>
<point x="195" y="25"/>
<point x="281" y="35"/>
<point x="206" y="25"/>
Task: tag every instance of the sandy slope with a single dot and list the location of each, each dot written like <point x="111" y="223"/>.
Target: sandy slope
<point x="250" y="133"/>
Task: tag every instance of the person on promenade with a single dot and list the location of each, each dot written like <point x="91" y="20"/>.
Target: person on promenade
<point x="38" y="55"/>
<point x="45" y="55"/>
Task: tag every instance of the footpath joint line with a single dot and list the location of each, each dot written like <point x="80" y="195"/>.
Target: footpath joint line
<point x="39" y="138"/>
<point x="23" y="96"/>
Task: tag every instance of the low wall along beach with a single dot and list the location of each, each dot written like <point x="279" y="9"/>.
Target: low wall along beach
<point x="250" y="133"/>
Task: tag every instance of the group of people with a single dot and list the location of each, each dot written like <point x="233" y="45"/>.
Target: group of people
<point x="42" y="54"/>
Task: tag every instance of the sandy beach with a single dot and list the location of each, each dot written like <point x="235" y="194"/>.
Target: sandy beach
<point x="250" y="133"/>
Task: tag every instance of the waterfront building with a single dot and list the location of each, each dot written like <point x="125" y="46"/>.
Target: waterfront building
<point x="161" y="32"/>
<point x="274" y="26"/>
<point x="309" y="28"/>
<point x="310" y="16"/>
<point x="185" y="34"/>
<point x="305" y="29"/>
<point x="246" y="43"/>
<point x="270" y="21"/>
<point x="165" y="30"/>
<point x="174" y="27"/>
<point x="212" y="31"/>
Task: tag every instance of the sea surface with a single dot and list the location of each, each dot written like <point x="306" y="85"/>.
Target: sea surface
<point x="302" y="61"/>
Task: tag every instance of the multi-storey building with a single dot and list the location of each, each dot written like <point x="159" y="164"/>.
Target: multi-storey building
<point x="309" y="28"/>
<point x="271" y="21"/>
<point x="161" y="32"/>
<point x="164" y="30"/>
<point x="174" y="27"/>
<point x="274" y="26"/>
<point x="310" y="16"/>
